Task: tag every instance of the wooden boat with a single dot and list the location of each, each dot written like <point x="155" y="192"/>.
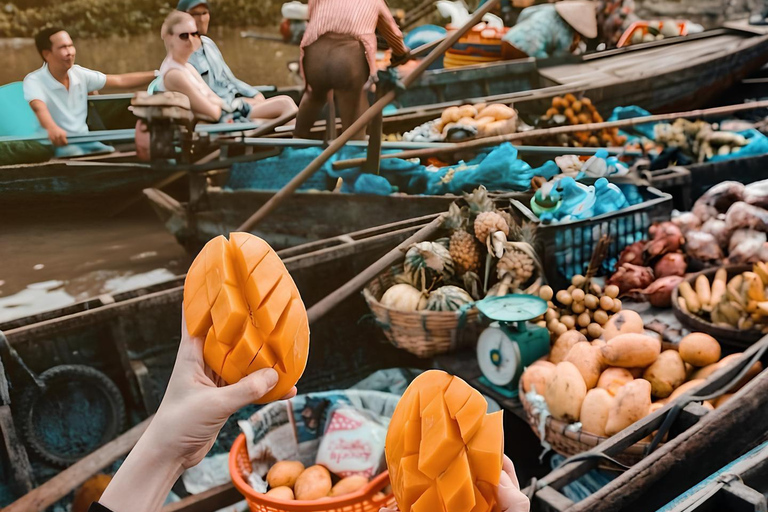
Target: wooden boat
<point x="133" y="337"/>
<point x="700" y="442"/>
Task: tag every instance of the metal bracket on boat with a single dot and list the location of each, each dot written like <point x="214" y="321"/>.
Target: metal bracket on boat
<point x="171" y="124"/>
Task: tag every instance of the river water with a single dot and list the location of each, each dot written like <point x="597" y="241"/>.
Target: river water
<point x="53" y="259"/>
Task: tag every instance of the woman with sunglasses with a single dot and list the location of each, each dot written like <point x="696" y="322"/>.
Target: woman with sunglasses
<point x="181" y="39"/>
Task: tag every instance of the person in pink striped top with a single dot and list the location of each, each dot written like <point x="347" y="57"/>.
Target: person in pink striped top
<point x="338" y="55"/>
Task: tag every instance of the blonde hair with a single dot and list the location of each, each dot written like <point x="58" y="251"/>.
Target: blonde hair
<point x="173" y="19"/>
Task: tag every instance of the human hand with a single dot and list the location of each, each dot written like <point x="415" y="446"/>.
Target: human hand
<point x="510" y="497"/>
<point x="197" y="403"/>
<point x="397" y="60"/>
<point x="57" y="136"/>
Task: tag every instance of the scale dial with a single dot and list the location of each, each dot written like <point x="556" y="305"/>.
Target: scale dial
<point x="497" y="355"/>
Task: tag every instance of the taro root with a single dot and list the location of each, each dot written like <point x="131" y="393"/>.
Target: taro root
<point x="631" y="277"/>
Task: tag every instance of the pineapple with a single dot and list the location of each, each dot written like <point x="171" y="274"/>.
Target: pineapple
<point x="517" y="263"/>
<point x="488" y="222"/>
<point x="479" y="201"/>
<point x="465" y="251"/>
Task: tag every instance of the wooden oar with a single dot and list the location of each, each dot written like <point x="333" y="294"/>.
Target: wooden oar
<point x="499" y="139"/>
<point x="62" y="484"/>
<point x="361" y="122"/>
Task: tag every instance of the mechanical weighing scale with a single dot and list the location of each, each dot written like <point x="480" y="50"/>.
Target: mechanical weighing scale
<point x="510" y="343"/>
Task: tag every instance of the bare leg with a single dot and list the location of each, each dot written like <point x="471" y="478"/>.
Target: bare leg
<point x="352" y="103"/>
<point x="309" y="110"/>
<point x="272" y="108"/>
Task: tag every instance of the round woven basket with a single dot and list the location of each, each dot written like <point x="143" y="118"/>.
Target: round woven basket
<point x="423" y="333"/>
<point x="737" y="338"/>
<point x="567" y="442"/>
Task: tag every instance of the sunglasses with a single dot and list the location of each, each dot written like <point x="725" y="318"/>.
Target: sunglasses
<point x="184" y="36"/>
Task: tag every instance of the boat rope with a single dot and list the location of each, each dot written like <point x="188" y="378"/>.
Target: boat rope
<point x="673" y="413"/>
<point x="721" y="481"/>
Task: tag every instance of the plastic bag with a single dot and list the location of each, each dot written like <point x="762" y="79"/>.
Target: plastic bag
<point x="353" y="442"/>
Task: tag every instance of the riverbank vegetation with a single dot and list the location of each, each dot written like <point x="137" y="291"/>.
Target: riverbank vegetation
<point x="98" y="18"/>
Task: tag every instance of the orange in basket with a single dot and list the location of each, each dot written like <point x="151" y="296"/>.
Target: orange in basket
<point x="241" y="299"/>
<point x="368" y="499"/>
<point x="444" y="453"/>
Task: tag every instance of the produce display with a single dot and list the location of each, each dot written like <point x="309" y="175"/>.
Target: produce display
<point x="728" y="224"/>
<point x="568" y="110"/>
<point x="621" y="377"/>
<point x="240" y="298"/>
<point x="445" y="274"/>
<point x="290" y="480"/>
<point x="584" y="308"/>
<point x="467" y="121"/>
<point x="444" y="453"/>
<point x="650" y="270"/>
<point x="698" y="139"/>
<point x="646" y="32"/>
<point x="739" y="302"/>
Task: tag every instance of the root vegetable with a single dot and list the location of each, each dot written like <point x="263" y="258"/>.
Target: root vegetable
<point x="281" y="493"/>
<point x="667" y="238"/>
<point x="659" y="293"/>
<point x="632" y="253"/>
<point x="284" y="473"/>
<point x="631" y="350"/>
<point x="632" y="403"/>
<point x="566" y="392"/>
<point x="349" y="485"/>
<point x="631" y="277"/>
<point x="313" y="483"/>
<point x="672" y="264"/>
<point x="563" y="345"/>
<point x="594" y="411"/>
<point x="614" y="378"/>
<point x="665" y="374"/>
<point x="622" y="323"/>
<point x="537" y="376"/>
<point x="588" y="361"/>
<point x="699" y="349"/>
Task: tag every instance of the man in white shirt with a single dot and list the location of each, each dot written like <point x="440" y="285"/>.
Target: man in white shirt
<point x="58" y="91"/>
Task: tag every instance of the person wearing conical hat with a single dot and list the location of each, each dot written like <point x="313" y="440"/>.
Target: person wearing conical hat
<point x="209" y="62"/>
<point x="550" y="30"/>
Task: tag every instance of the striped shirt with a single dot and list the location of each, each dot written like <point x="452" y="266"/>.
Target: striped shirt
<point x="358" y="18"/>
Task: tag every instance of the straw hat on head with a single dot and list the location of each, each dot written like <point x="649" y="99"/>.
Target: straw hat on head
<point x="579" y="14"/>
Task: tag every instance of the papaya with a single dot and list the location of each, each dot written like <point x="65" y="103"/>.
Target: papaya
<point x="699" y="349"/>
<point x="631" y="351"/>
<point x="444" y="453"/>
<point x="239" y="297"/>
<point x="624" y="322"/>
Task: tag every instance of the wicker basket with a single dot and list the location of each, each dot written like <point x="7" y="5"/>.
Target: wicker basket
<point x="567" y="442"/>
<point x="423" y="333"/>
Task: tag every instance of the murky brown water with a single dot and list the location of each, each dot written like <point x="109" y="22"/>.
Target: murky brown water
<point x="58" y="259"/>
<point x="258" y="62"/>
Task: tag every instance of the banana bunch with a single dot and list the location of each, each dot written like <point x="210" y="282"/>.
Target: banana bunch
<point x="740" y="302"/>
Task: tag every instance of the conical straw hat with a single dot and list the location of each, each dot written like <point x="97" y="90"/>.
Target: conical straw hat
<point x="579" y="14"/>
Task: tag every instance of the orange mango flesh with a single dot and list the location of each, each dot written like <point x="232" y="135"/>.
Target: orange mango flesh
<point x="240" y="298"/>
<point x="444" y="453"/>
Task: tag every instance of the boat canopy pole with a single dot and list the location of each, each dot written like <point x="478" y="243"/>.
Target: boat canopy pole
<point x="556" y="130"/>
<point x="363" y="120"/>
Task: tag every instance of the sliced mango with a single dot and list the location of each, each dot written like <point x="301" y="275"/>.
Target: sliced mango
<point x="458" y="447"/>
<point x="239" y="297"/>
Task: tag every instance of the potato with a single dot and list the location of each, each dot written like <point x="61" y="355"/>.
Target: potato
<point x="699" y="349"/>
<point x="685" y="388"/>
<point x="665" y="374"/>
<point x="349" y="485"/>
<point x="722" y="399"/>
<point x="563" y="345"/>
<point x="537" y="376"/>
<point x="632" y="403"/>
<point x="588" y="361"/>
<point x="614" y="378"/>
<point x="623" y="322"/>
<point x="284" y="473"/>
<point x="313" y="483"/>
<point x="565" y="393"/>
<point x="631" y="350"/>
<point x="281" y="493"/>
<point x="594" y="411"/>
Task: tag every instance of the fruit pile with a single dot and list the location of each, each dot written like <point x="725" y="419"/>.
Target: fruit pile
<point x="618" y="379"/>
<point x="698" y="140"/>
<point x="585" y="308"/>
<point x="649" y="270"/>
<point x="466" y="121"/>
<point x="567" y="110"/>
<point x="289" y="480"/>
<point x="444" y="453"/>
<point x="444" y="275"/>
<point x="740" y="302"/>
